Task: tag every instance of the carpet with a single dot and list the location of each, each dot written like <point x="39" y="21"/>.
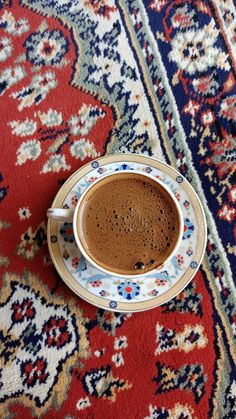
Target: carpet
<point x="84" y="78"/>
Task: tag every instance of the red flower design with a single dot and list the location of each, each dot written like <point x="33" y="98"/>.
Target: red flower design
<point x="75" y="262"/>
<point x="228" y="108"/>
<point x="191" y="108"/>
<point x="161" y="282"/>
<point x="182" y="20"/>
<point x="74" y="200"/>
<point x="205" y="85"/>
<point x="227" y="213"/>
<point x="177" y="195"/>
<point x="207" y="118"/>
<point x="186" y="204"/>
<point x="56" y="332"/>
<point x="96" y="283"/>
<point x="34" y="372"/>
<point x="222" y="154"/>
<point x="100" y="7"/>
<point x="22" y="311"/>
<point x="92" y="179"/>
<point x="157" y="5"/>
<point x="180" y="260"/>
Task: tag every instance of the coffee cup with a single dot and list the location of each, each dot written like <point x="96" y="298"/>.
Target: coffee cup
<point x="126" y="224"/>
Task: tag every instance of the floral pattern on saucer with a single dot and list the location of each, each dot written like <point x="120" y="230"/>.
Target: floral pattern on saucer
<point x="134" y="290"/>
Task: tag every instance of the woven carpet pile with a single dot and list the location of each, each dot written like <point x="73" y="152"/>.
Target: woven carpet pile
<point x="84" y="78"/>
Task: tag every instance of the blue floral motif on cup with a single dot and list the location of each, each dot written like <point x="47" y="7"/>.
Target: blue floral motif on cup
<point x="128" y="289"/>
<point x="124" y="167"/>
<point x="188" y="228"/>
<point x="67" y="232"/>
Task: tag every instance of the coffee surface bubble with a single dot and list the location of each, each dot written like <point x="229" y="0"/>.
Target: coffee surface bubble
<point x="128" y="225"/>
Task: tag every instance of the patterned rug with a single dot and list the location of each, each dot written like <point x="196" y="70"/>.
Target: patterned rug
<point x="84" y="78"/>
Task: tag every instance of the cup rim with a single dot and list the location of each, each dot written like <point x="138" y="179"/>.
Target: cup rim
<point x="107" y="271"/>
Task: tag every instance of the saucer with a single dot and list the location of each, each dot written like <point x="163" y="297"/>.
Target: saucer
<point x="124" y="295"/>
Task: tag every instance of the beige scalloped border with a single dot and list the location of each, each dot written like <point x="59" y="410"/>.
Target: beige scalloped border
<point x="127" y="306"/>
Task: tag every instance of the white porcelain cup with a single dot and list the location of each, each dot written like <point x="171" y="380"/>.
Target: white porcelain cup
<point x="71" y="215"/>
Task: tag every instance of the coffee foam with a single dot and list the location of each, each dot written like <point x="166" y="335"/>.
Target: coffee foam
<point x="129" y="223"/>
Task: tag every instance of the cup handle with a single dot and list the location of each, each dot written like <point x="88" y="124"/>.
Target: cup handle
<point x="60" y="214"/>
